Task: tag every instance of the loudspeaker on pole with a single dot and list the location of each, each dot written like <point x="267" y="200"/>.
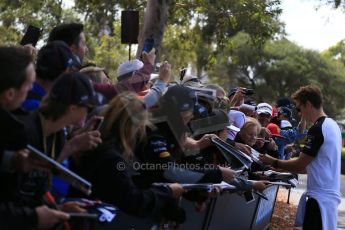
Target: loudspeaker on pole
<point x="129" y="27"/>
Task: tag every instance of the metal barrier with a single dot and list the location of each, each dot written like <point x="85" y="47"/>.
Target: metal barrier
<point x="228" y="211"/>
<point x="195" y="220"/>
<point x="232" y="212"/>
<point x="263" y="214"/>
<point x="125" y="222"/>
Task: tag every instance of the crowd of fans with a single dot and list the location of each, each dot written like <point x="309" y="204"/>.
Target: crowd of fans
<point x="74" y="113"/>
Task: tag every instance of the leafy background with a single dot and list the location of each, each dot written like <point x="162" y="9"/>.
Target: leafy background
<point x="229" y="42"/>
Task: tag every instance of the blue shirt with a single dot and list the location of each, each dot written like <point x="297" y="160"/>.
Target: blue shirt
<point x="34" y="98"/>
<point x="290" y="136"/>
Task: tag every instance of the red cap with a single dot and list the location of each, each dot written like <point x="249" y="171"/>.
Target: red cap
<point x="275" y="130"/>
<point x="274" y="111"/>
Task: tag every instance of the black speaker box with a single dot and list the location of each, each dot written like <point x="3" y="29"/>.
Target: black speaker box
<point x="129" y="27"/>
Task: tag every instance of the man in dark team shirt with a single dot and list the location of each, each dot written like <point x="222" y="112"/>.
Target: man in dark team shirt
<point x="17" y="76"/>
<point x="320" y="159"/>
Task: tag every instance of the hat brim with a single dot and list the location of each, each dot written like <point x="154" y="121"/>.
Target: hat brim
<point x="278" y="136"/>
<point x="154" y="76"/>
<point x="193" y="84"/>
<point x="264" y="111"/>
<point x="233" y="128"/>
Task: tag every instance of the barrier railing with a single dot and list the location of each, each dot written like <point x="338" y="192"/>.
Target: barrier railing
<point x="228" y="211"/>
<point x="231" y="211"/>
<point x="263" y="214"/>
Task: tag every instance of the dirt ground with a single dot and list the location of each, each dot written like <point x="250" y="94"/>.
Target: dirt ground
<point x="283" y="214"/>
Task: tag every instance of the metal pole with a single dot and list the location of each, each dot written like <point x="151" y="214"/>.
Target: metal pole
<point x="129" y="51"/>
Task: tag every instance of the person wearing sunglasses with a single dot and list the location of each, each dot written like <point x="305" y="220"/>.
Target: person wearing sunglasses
<point x="319" y="159"/>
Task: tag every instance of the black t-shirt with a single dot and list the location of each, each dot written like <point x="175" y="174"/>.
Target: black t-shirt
<point x="12" y="132"/>
<point x="12" y="138"/>
<point x="162" y="155"/>
<point x="111" y="178"/>
<point x="32" y="186"/>
<point x="315" y="138"/>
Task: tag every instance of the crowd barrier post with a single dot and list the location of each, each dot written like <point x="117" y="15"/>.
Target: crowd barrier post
<point x="264" y="211"/>
<point x="231" y="211"/>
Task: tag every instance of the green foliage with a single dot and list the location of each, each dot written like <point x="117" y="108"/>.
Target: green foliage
<point x="235" y="42"/>
<point x="16" y="15"/>
<point x="336" y="52"/>
<point x="282" y="67"/>
<point x="217" y="21"/>
<point x="343" y="153"/>
<point x="9" y="35"/>
<point x="103" y="12"/>
<point x="179" y="47"/>
<point x="107" y="51"/>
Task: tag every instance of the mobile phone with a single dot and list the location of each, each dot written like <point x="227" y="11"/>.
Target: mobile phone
<point x="98" y="124"/>
<point x="248" y="196"/>
<point x="148" y="44"/>
<point x="83" y="216"/>
<point x="31" y="36"/>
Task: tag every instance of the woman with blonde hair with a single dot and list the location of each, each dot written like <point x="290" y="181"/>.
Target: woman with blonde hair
<point x="111" y="165"/>
<point x="249" y="132"/>
<point x="96" y="74"/>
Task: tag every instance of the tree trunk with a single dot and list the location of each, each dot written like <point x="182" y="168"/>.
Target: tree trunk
<point x="155" y="19"/>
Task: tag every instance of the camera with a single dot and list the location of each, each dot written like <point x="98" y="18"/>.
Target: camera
<point x="248" y="92"/>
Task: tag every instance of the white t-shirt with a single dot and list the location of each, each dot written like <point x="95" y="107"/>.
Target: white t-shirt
<point x="323" y="183"/>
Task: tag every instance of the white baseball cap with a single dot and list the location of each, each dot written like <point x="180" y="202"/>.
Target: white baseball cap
<point x="285" y="124"/>
<point x="128" y="67"/>
<point x="264" y="108"/>
<point x="233" y="128"/>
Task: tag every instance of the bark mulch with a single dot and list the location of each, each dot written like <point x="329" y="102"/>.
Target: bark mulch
<point x="284" y="214"/>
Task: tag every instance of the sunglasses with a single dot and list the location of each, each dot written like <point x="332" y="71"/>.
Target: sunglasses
<point x="298" y="108"/>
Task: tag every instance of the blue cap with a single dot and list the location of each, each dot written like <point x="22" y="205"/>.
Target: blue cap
<point x="74" y="89"/>
<point x="179" y="97"/>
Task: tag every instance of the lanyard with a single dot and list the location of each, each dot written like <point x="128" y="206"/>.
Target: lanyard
<point x="45" y="148"/>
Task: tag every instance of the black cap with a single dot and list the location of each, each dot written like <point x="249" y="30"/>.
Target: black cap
<point x="179" y="97"/>
<point x="232" y="92"/>
<point x="284" y="102"/>
<point x="74" y="89"/>
<point x="286" y="111"/>
<point x="53" y="59"/>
